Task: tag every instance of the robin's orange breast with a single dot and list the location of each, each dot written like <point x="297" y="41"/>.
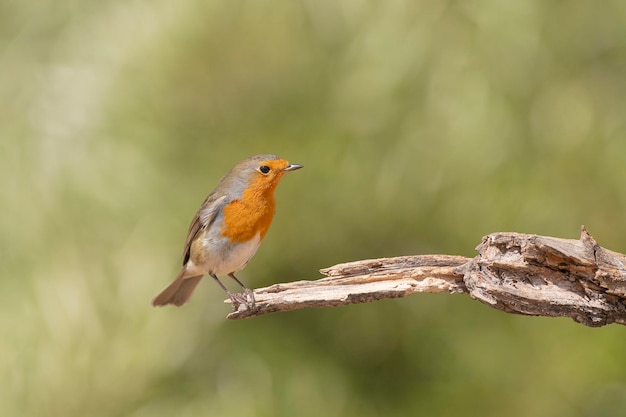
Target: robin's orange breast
<point x="252" y="214"/>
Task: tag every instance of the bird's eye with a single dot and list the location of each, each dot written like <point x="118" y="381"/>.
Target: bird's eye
<point x="264" y="169"/>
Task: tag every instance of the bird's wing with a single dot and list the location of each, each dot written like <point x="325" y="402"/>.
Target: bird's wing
<point x="204" y="217"/>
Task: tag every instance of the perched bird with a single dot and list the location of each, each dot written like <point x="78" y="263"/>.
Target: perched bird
<point x="228" y="228"/>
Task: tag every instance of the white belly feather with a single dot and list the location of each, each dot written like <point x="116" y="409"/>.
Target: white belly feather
<point x="235" y="258"/>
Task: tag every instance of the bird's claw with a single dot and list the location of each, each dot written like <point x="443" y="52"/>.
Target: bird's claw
<point x="250" y="294"/>
<point x="238" y="299"/>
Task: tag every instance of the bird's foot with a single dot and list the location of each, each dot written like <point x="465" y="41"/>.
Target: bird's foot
<point x="247" y="299"/>
<point x="237" y="299"/>
<point x="249" y="294"/>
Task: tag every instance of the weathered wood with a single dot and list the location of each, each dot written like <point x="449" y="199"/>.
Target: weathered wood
<point x="513" y="272"/>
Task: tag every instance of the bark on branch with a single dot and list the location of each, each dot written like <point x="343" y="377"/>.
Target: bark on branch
<point x="513" y="272"/>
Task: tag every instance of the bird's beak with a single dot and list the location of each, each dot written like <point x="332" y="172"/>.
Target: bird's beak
<point x="292" y="167"/>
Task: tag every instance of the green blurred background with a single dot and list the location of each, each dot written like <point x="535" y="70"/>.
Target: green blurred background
<point x="422" y="125"/>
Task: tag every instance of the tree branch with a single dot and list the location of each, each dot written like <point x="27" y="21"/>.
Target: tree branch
<point x="513" y="272"/>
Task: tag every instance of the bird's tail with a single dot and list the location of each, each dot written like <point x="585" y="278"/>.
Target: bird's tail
<point x="178" y="292"/>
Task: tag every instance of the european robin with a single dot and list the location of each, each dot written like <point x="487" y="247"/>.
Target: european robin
<point x="228" y="228"/>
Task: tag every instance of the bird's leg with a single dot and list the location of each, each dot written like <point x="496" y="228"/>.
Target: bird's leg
<point x="236" y="299"/>
<point x="247" y="291"/>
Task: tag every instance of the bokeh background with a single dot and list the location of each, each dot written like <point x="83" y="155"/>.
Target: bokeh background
<point x="422" y="125"/>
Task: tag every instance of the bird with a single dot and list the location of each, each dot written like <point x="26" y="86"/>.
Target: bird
<point x="228" y="228"/>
